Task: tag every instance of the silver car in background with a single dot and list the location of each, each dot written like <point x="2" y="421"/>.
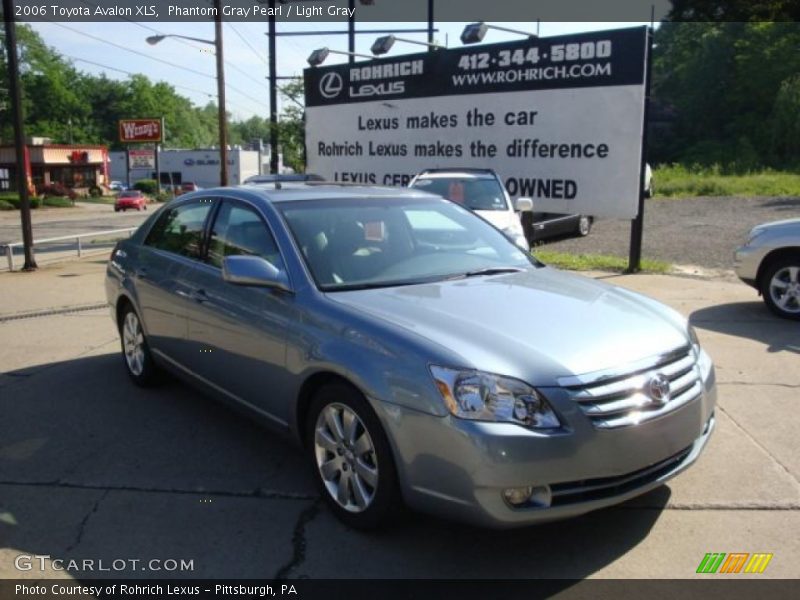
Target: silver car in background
<point x="770" y="262"/>
<point x="416" y="354"/>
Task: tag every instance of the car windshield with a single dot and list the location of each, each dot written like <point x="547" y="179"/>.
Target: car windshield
<point x="476" y="193"/>
<point x="382" y="242"/>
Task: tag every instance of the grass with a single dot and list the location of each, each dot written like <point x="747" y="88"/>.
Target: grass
<point x="596" y="262"/>
<point x="10" y="201"/>
<point x="679" y="181"/>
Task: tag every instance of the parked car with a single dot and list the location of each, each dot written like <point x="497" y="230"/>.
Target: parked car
<point x="283" y="178"/>
<point x="189" y="186"/>
<point x="413" y="351"/>
<point x="770" y="262"/>
<point x="481" y="191"/>
<point x="117" y="186"/>
<point x="130" y="199"/>
<point x="486" y="185"/>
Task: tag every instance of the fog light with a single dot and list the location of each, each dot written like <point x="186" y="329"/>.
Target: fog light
<point x="518" y="497"/>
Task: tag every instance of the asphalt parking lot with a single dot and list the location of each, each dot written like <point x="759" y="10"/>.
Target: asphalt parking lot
<point x="93" y="468"/>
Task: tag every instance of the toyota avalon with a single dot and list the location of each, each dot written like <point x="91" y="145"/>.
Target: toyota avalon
<point x="414" y="352"/>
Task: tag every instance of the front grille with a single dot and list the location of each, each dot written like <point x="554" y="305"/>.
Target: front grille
<point x="616" y="401"/>
<point x="587" y="490"/>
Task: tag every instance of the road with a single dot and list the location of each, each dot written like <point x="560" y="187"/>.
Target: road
<point x="692" y="231"/>
<point x="92" y="467"/>
<point x="56" y="222"/>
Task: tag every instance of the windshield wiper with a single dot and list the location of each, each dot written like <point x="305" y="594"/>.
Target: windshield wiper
<point x="492" y="271"/>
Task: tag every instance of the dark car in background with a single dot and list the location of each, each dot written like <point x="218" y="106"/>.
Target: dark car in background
<point x="283" y="178"/>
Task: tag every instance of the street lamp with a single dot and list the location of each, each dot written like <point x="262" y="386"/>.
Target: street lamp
<point x="319" y="55"/>
<point x="222" y="117"/>
<point x="475" y="32"/>
<point x="383" y="44"/>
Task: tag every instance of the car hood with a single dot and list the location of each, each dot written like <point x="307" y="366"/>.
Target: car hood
<point x="774" y="226"/>
<point x="502" y="219"/>
<point x="538" y="325"/>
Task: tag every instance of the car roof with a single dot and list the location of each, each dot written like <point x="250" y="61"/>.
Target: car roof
<point x="311" y="191"/>
<point x="465" y="173"/>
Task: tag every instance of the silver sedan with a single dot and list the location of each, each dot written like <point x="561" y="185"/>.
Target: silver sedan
<point x="416" y="354"/>
<point x="770" y="262"/>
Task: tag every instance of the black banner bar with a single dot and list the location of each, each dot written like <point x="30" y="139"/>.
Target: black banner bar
<point x="604" y="58"/>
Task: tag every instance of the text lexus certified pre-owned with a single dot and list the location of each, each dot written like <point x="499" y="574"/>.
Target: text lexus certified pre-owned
<point x="770" y="262"/>
<point x="417" y="354"/>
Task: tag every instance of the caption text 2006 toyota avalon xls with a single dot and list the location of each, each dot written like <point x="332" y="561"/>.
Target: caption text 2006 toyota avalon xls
<point x="418" y="355"/>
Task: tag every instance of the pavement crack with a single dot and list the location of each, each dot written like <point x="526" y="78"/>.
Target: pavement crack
<point x="736" y="423"/>
<point x="298" y="541"/>
<point x="791" y="386"/>
<point x="85" y="521"/>
<point x="256" y="493"/>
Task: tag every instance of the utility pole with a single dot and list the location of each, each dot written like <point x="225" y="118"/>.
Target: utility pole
<point x="273" y="94"/>
<point x="223" y="118"/>
<point x="19" y="136"/>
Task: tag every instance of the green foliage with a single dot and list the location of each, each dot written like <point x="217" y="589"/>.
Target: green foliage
<point x="697" y="180"/>
<point x="163" y="197"/>
<point x="727" y="92"/>
<point x="146" y="186"/>
<point x="4" y="205"/>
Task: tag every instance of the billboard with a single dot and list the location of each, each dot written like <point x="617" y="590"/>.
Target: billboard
<point x="560" y="119"/>
<point x="140" y="131"/>
<point x="141" y="159"/>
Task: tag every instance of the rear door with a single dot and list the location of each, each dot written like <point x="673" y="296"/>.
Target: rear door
<point x="174" y="242"/>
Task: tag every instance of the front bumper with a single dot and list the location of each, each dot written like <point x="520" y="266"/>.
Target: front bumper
<point x="459" y="469"/>
<point x="746" y="261"/>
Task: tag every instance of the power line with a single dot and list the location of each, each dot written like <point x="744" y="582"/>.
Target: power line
<point x="249" y="45"/>
<point x="99" y="39"/>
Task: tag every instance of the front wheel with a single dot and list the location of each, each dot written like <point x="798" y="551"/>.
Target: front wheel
<point x="351" y="457"/>
<point x="780" y="287"/>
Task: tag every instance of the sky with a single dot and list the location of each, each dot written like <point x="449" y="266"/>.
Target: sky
<point x="119" y="48"/>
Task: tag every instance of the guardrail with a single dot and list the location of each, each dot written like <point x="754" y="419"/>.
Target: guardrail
<point x="9" y="248"/>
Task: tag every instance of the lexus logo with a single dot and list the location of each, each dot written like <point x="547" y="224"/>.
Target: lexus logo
<point x="658" y="389"/>
<point x="331" y="84"/>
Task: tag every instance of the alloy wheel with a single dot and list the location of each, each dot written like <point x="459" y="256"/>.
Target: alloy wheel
<point x="346" y="457"/>
<point x="133" y="343"/>
<point x="784" y="289"/>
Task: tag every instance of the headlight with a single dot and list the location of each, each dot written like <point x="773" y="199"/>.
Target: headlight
<point x="485" y="397"/>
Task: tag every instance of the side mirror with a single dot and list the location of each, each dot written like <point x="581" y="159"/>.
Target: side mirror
<point x="523" y="205"/>
<point x="255" y="271"/>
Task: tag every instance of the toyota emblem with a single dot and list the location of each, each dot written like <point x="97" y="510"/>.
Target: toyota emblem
<point x="658" y="389"/>
<point x="331" y="84"/>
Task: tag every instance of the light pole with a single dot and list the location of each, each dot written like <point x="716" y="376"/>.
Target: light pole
<point x="222" y="117"/>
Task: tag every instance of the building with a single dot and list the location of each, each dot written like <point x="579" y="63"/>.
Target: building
<point x="74" y="166"/>
<point x="196" y="166"/>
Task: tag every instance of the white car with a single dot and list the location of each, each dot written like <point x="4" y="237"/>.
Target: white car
<point x="481" y="191"/>
<point x="770" y="262"/>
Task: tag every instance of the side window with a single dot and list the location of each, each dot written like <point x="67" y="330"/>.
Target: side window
<point x="180" y="230"/>
<point x="238" y="230"/>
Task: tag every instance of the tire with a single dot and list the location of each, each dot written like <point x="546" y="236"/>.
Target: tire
<point x="780" y="287"/>
<point x="136" y="354"/>
<point x="584" y="225"/>
<point x="116" y="209"/>
<point x="359" y="452"/>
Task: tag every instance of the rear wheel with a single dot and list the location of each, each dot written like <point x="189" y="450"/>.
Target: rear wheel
<point x="351" y="457"/>
<point x="584" y="225"/>
<point x="135" y="350"/>
<point x="780" y="287"/>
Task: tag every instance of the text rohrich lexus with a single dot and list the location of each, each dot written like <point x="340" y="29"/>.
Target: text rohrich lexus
<point x="417" y="355"/>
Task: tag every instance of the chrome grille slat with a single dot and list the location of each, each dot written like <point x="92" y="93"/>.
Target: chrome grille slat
<point x="623" y="400"/>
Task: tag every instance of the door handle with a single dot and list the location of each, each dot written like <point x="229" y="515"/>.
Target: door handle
<point x="141" y="273"/>
<point x="199" y="295"/>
